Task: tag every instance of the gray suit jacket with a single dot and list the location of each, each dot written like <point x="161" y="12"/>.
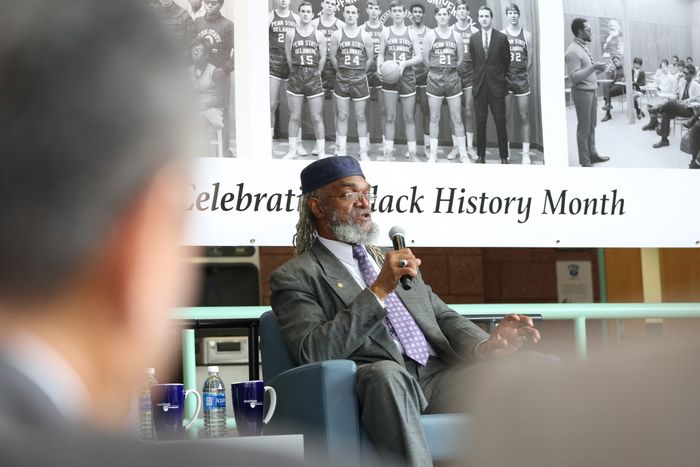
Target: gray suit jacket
<point x="34" y="433"/>
<point x="324" y="315"/>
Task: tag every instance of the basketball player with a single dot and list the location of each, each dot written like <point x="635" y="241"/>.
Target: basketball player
<point x="398" y="43"/>
<point x="305" y="49"/>
<point x="280" y="21"/>
<point x="520" y="42"/>
<point x="465" y="27"/>
<point x="419" y="30"/>
<point x="327" y="23"/>
<point x="443" y="53"/>
<point x="351" y="55"/>
<point x="374" y="27"/>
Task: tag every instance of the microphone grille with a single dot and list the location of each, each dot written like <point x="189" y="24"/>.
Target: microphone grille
<point x="397" y="230"/>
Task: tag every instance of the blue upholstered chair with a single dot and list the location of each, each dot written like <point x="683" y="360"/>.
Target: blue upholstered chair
<point x="319" y="401"/>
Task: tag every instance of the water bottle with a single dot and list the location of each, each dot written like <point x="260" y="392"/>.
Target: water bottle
<point x="214" y="402"/>
<point x="145" y="410"/>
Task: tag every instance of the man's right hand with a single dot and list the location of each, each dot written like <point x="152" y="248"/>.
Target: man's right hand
<point x="392" y="271"/>
<point x="600" y="66"/>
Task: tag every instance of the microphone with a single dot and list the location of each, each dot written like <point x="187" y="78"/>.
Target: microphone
<point x="398" y="239"/>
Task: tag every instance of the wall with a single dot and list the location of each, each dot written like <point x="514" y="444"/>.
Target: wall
<point x="487" y="275"/>
<point x="656" y="30"/>
<point x="695" y="31"/>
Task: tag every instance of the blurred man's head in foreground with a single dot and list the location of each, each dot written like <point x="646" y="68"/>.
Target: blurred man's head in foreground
<point x="95" y="125"/>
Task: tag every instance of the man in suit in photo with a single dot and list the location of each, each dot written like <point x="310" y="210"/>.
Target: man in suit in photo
<point x="490" y="52"/>
<point x="338" y="299"/>
<point x="98" y="118"/>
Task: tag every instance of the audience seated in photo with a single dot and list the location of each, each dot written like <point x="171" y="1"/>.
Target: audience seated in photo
<point x="688" y="91"/>
<point x="638" y="82"/>
<point x="614" y="89"/>
<point x="664" y="79"/>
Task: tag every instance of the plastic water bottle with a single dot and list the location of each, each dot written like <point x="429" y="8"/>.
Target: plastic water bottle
<point x="145" y="410"/>
<point x="214" y="402"/>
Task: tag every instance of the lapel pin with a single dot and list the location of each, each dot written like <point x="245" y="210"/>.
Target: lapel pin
<point x="340" y="285"/>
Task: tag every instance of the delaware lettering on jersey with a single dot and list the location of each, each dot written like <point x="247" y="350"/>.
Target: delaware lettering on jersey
<point x="443" y="52"/>
<point x="351" y="52"/>
<point x="398" y="47"/>
<point x="466" y="36"/>
<point x="518" y="50"/>
<point x="305" y="49"/>
<point x="278" y="30"/>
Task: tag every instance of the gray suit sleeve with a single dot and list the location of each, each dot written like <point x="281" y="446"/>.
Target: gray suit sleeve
<point x="461" y="333"/>
<point x="313" y="329"/>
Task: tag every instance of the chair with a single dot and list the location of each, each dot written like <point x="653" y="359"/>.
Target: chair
<point x="319" y="401"/>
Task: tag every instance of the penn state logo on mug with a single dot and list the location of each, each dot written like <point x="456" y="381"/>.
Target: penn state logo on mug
<point x="252" y="402"/>
<point x="573" y="270"/>
<point x="167" y="406"/>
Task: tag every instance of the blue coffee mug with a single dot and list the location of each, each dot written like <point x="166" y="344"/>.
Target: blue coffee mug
<point x="248" y="398"/>
<point x="168" y="405"/>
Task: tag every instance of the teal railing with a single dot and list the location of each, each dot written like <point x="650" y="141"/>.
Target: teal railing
<point x="578" y="312"/>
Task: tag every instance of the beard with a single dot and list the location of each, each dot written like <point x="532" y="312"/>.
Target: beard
<point x="348" y="231"/>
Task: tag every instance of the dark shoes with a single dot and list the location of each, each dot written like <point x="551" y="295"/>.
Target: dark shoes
<point x="480" y="160"/>
<point x="504" y="161"/>
<point x="597" y="159"/>
<point x="663" y="142"/>
<point x="606" y="117"/>
<point x="694" y="164"/>
<point x="651" y="125"/>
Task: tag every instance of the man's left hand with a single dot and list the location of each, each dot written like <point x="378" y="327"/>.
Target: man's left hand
<point x="510" y="334"/>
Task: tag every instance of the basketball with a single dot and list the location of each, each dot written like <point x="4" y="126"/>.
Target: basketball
<point x="390" y="72"/>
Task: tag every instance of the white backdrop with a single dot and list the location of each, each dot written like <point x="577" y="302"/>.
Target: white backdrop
<point x="659" y="204"/>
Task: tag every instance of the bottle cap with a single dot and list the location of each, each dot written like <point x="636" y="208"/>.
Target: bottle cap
<point x="150" y="371"/>
<point x="213" y="369"/>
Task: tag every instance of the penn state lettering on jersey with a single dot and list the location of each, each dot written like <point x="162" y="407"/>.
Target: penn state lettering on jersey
<point x="518" y="51"/>
<point x="398" y="47"/>
<point x="376" y="35"/>
<point x="305" y="49"/>
<point x="278" y="30"/>
<point x="443" y="52"/>
<point x="351" y="52"/>
<point x="466" y="37"/>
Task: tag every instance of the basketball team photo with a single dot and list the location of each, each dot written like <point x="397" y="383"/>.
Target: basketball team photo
<point x="406" y="81"/>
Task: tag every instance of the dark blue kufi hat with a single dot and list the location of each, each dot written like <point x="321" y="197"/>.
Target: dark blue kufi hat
<point x="324" y="171"/>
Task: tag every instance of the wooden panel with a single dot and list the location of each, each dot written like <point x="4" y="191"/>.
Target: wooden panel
<point x="623" y="269"/>
<point x="680" y="282"/>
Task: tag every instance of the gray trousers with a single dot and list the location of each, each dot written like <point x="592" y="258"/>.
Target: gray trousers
<point x="392" y="397"/>
<point x="585" y="103"/>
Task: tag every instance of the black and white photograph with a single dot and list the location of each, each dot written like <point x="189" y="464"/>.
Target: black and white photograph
<point x="203" y="30"/>
<point x="632" y="86"/>
<point x="406" y="81"/>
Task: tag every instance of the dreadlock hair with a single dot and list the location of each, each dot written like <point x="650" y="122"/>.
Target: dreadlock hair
<point x="306" y="233"/>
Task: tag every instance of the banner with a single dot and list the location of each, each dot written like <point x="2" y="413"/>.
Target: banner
<point x="628" y="191"/>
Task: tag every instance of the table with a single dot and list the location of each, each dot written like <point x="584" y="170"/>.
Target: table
<point x="290" y="446"/>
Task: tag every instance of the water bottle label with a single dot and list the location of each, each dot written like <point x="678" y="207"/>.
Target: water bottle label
<point x="145" y="402"/>
<point x="214" y="401"/>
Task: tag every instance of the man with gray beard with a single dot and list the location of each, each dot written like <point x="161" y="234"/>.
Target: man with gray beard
<point x="337" y="299"/>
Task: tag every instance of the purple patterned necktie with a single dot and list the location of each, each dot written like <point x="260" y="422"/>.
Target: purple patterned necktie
<point x="403" y="324"/>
